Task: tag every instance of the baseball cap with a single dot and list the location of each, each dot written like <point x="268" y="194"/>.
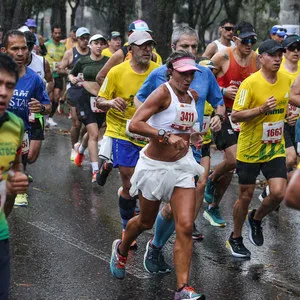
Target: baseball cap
<point x="139" y="25"/>
<point x="30" y="23"/>
<point x="289" y="41"/>
<point x="279" y="30"/>
<point x="184" y="64"/>
<point x="24" y="28"/>
<point x="81" y="31"/>
<point x="114" y="34"/>
<point x="207" y="63"/>
<point x="139" y="38"/>
<point x="97" y="37"/>
<point x="270" y="46"/>
<point x="244" y="29"/>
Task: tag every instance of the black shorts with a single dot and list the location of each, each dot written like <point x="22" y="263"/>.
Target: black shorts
<point x="73" y="95"/>
<point x="206" y="150"/>
<point x="289" y="136"/>
<point x="84" y="111"/>
<point x="59" y="83"/>
<point x="248" y="172"/>
<point x="226" y="137"/>
<point x="37" y="129"/>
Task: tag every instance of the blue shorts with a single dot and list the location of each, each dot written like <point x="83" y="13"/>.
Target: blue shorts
<point x="125" y="153"/>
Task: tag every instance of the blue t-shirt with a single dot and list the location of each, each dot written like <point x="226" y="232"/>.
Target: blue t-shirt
<point x="29" y="86"/>
<point x="204" y="83"/>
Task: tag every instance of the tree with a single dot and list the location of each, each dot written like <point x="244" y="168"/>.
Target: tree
<point x="289" y="12"/>
<point x="59" y="15"/>
<point x="74" y="5"/>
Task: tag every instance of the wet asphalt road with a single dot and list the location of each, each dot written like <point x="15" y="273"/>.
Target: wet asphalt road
<point x="61" y="243"/>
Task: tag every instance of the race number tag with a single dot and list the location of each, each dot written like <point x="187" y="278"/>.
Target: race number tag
<point x="134" y="136"/>
<point x="25" y="143"/>
<point x="272" y="132"/>
<point x="81" y="79"/>
<point x="31" y="117"/>
<point x="185" y="117"/>
<point x="294" y="110"/>
<point x="56" y="65"/>
<point x="206" y="122"/>
<point x="94" y="108"/>
<point x="2" y="194"/>
<point x="234" y="126"/>
<point x="196" y="127"/>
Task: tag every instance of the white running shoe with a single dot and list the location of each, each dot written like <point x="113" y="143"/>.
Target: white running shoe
<point x="264" y="194"/>
<point x="51" y="122"/>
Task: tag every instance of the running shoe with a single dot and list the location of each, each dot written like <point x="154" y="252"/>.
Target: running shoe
<point x="187" y="292"/>
<point x="133" y="245"/>
<point x="214" y="217"/>
<point x="79" y="159"/>
<point x="104" y="172"/>
<point x="265" y="193"/>
<point x="73" y="154"/>
<point x="94" y="175"/>
<point x="50" y="122"/>
<point x="154" y="261"/>
<point x="21" y="200"/>
<point x="209" y="193"/>
<point x="254" y="230"/>
<point x="196" y="235"/>
<point x="237" y="247"/>
<point x="117" y="261"/>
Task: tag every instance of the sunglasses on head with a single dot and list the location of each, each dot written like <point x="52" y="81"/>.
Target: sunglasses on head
<point x="228" y="28"/>
<point x="294" y="47"/>
<point x="281" y="29"/>
<point x="247" y="41"/>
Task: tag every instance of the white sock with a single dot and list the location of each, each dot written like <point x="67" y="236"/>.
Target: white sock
<point x="95" y="166"/>
<point x="81" y="149"/>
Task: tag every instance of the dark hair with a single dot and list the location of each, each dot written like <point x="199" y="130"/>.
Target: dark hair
<point x="8" y="65"/>
<point x="55" y="26"/>
<point x="225" y="21"/>
<point x="10" y="33"/>
<point x="30" y="40"/>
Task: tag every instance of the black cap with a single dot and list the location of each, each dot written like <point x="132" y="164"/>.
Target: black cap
<point x="289" y="41"/>
<point x="270" y="46"/>
<point x="244" y="29"/>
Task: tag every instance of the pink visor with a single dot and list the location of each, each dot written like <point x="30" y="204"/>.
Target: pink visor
<point x="184" y="65"/>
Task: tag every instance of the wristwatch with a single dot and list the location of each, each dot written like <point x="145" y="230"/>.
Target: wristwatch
<point x="220" y="116"/>
<point x="161" y="135"/>
<point x="43" y="108"/>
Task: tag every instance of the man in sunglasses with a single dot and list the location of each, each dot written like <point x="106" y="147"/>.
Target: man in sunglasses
<point x="233" y="65"/>
<point x="277" y="33"/>
<point x="226" y="33"/>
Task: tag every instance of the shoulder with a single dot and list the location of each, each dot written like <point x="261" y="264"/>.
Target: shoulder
<point x="15" y="120"/>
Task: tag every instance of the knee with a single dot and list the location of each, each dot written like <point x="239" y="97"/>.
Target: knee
<point x="277" y="195"/>
<point x="185" y="228"/>
<point x="146" y="224"/>
<point x="167" y="212"/>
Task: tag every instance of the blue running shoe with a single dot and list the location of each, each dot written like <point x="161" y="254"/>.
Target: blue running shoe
<point x="214" y="217"/>
<point x="209" y="193"/>
<point x="117" y="261"/>
<point x="187" y="292"/>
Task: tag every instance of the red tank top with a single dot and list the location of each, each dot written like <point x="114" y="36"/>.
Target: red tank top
<point x="236" y="74"/>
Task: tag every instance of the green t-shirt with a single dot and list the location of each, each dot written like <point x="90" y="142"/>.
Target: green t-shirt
<point x="54" y="54"/>
<point x="88" y="67"/>
<point x="11" y="135"/>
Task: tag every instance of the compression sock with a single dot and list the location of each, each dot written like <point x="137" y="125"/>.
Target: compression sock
<point x="127" y="207"/>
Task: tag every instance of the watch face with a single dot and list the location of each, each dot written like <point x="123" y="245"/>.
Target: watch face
<point x="161" y="132"/>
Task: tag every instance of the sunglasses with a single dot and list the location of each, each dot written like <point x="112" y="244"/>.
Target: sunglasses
<point x="228" y="28"/>
<point x="281" y="29"/>
<point x="294" y="47"/>
<point x="248" y="41"/>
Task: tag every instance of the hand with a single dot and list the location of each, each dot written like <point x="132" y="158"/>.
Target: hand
<point x="118" y="104"/>
<point x="17" y="183"/>
<point x="230" y="92"/>
<point x="179" y="144"/>
<point x="269" y="105"/>
<point x="196" y="140"/>
<point x="292" y="119"/>
<point x="74" y="80"/>
<point x="35" y="106"/>
<point x="215" y="124"/>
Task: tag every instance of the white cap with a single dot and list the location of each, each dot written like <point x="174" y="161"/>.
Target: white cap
<point x="139" y="38"/>
<point x="81" y="31"/>
<point x="97" y="37"/>
<point x="24" y="28"/>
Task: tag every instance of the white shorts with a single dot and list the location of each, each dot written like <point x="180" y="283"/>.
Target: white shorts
<point x="157" y="179"/>
<point x="105" y="151"/>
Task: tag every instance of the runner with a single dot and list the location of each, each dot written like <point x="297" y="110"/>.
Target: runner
<point x="29" y="96"/>
<point x="226" y="33"/>
<point x="12" y="180"/>
<point x="117" y="97"/>
<point x="71" y="41"/>
<point x="183" y="38"/>
<point x="55" y="53"/>
<point x="260" y="105"/>
<point x="166" y="168"/>
<point x="74" y="91"/>
<point x="233" y="65"/>
<point x="89" y="66"/>
<point x="114" y="44"/>
<point x="277" y="33"/>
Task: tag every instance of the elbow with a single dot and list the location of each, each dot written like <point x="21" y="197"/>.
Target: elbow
<point x="132" y="126"/>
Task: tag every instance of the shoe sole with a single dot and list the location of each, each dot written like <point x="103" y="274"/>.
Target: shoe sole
<point x="211" y="221"/>
<point x="238" y="255"/>
<point x="250" y="233"/>
<point x="198" y="238"/>
<point x="112" y="258"/>
<point x="260" y="198"/>
<point x="21" y="205"/>
<point x="144" y="263"/>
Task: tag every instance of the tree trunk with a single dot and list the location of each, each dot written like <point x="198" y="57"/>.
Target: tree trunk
<point x="58" y="16"/>
<point x="289" y="12"/>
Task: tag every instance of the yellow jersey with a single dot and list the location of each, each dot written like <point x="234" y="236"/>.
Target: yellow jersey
<point x="261" y="139"/>
<point x="122" y="81"/>
<point x="106" y="52"/>
<point x="208" y="110"/>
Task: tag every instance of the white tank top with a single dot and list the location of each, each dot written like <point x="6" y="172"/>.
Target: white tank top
<point x="37" y="64"/>
<point x="178" y="117"/>
<point x="220" y="46"/>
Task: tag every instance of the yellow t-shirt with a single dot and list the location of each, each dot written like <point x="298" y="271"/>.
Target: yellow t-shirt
<point x="55" y="53"/>
<point x="254" y="145"/>
<point x="122" y="81"/>
<point x="283" y="60"/>
<point x="208" y="110"/>
<point x="106" y="52"/>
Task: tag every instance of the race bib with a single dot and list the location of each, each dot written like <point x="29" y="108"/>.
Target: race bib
<point x="294" y="110"/>
<point x="31" y="117"/>
<point x="185" y="117"/>
<point x="134" y="136"/>
<point x="94" y="108"/>
<point x="206" y="122"/>
<point x="81" y="79"/>
<point x="25" y="143"/>
<point x="234" y="126"/>
<point x="272" y="132"/>
<point x="55" y="65"/>
<point x="2" y="194"/>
